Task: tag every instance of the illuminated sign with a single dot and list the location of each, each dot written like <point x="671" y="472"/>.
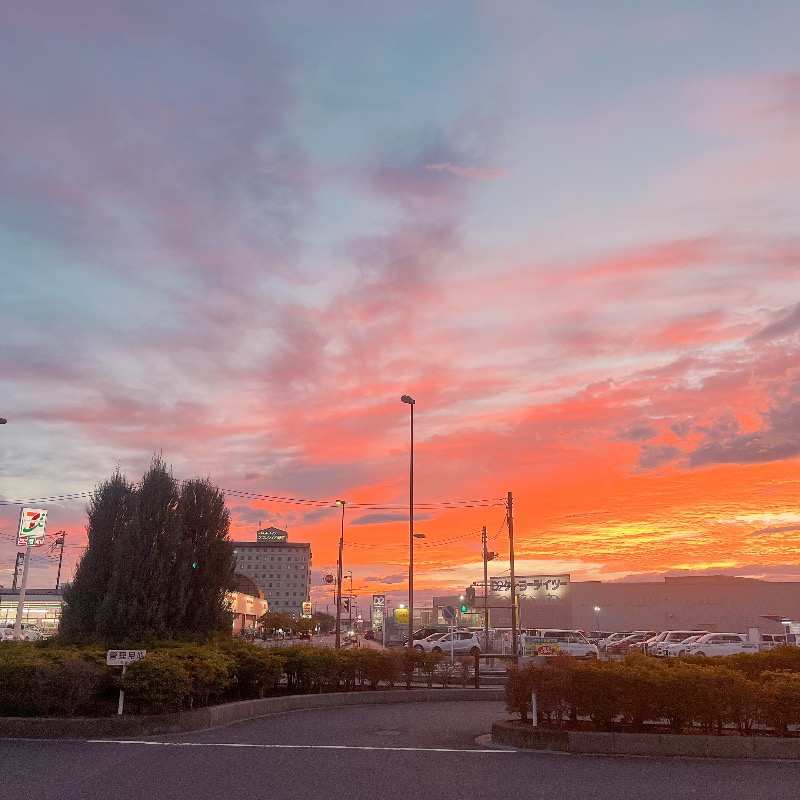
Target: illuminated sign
<point x="401" y="616"/>
<point x="32" y="523"/>
<point x="271" y="535"/>
<point x="535" y="587"/>
<point x="307" y="609"/>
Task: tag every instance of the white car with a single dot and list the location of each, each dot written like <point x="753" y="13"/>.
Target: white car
<point x="457" y="643"/>
<point x="658" y="646"/>
<point x="27" y="632"/>
<point x="550" y="641"/>
<point x="679" y="648"/>
<point x="720" y="644"/>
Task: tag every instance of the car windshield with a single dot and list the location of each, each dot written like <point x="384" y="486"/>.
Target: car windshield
<point x="435" y="637"/>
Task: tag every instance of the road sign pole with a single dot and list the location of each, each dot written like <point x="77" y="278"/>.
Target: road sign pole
<point x="121" y="692"/>
<point x="21" y="602"/>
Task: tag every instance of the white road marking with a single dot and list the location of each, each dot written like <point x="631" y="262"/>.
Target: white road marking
<point x="294" y="746"/>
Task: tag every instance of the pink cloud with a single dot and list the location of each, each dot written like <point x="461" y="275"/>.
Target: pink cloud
<point x="476" y="173"/>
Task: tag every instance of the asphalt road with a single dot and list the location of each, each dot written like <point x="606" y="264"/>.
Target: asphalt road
<point x="415" y="751"/>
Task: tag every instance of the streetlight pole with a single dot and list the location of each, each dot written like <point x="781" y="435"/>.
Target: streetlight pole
<point x="338" y="642"/>
<point x="350" y="604"/>
<point x="410" y="401"/>
<point x="597" y="618"/>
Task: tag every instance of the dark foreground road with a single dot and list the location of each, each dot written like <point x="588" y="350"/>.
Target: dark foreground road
<point x="422" y="751"/>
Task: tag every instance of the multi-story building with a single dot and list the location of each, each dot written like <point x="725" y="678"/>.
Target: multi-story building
<point x="280" y="567"/>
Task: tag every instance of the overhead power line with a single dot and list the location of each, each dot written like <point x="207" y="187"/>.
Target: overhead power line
<point x="435" y="506"/>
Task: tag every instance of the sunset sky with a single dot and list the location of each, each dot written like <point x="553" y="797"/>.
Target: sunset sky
<point x="236" y="233"/>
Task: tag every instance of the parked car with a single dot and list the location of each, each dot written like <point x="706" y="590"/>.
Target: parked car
<point x="679" y="648"/>
<point x="550" y="641"/>
<point x="597" y="636"/>
<point x="455" y="643"/>
<point x="769" y="641"/>
<point x="657" y="646"/>
<point x="612" y="637"/>
<point x="29" y="632"/>
<point x="424" y="633"/>
<point x="621" y="646"/>
<point x="721" y="644"/>
<point x="369" y="635"/>
<point x="305" y="635"/>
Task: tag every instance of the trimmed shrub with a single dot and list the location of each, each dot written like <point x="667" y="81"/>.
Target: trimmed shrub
<point x="597" y="692"/>
<point x="256" y="671"/>
<point x="779" y="698"/>
<point x="157" y="684"/>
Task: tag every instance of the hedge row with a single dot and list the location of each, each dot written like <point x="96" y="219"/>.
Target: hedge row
<point x="44" y="679"/>
<point x="713" y="694"/>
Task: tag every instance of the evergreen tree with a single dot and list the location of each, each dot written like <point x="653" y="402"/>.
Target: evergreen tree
<point x="109" y="515"/>
<point x="204" y="568"/>
<point x="136" y="604"/>
<point x="158" y="563"/>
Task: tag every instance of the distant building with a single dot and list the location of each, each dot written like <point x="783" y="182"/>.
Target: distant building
<point x="701" y="602"/>
<point x="41" y="607"/>
<point x="282" y="569"/>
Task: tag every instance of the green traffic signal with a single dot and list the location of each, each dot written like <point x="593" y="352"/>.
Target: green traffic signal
<point x="194" y="565"/>
<point x="463" y="608"/>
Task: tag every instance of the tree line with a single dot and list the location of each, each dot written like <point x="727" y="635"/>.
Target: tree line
<point x="157" y="565"/>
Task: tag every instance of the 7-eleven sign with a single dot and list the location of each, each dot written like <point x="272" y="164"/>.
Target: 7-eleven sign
<point x="32" y="522"/>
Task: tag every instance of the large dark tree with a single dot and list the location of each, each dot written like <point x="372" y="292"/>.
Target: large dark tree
<point x="109" y="514"/>
<point x="204" y="567"/>
<point x="158" y="562"/>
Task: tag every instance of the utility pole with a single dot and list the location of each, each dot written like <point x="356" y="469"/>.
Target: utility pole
<point x="514" y="634"/>
<point x="485" y="593"/>
<point x="60" y="541"/>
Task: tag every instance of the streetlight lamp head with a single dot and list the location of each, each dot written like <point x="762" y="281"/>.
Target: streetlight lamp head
<point x="340" y="502"/>
<point x="419" y="535"/>
<point x="406" y="399"/>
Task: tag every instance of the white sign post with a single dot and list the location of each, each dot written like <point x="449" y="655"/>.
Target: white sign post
<point x="32" y="524"/>
<point x="121" y="658"/>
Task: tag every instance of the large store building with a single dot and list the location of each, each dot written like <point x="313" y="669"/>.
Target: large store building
<point x="281" y="568"/>
<point x="702" y="602"/>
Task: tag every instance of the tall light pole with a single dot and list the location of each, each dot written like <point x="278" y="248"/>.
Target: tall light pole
<point x="338" y="642"/>
<point x="410" y="400"/>
<point x="350" y="604"/>
<point x="597" y="618"/>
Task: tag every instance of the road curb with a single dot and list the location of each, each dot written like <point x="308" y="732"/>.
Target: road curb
<point x="126" y="726"/>
<point x="656" y="745"/>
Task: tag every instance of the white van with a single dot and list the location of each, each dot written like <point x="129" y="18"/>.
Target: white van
<point x="550" y="641"/>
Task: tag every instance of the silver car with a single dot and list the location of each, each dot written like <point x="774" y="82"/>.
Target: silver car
<point x="457" y="643"/>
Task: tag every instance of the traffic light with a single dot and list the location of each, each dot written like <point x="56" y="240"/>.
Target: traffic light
<point x="470" y="595"/>
<point x="194" y="564"/>
<point x="463" y="605"/>
<point x="346" y="605"/>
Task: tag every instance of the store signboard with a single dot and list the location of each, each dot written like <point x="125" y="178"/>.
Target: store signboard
<point x="32" y="524"/>
<point x="535" y="587"/>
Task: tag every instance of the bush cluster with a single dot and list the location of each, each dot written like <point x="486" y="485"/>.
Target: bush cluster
<point x="47" y="679"/>
<point x="713" y="694"/>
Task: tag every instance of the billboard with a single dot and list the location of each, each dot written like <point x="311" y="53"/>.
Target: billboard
<point x="271" y="535"/>
<point x="533" y="587"/>
<point x="32" y="523"/>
